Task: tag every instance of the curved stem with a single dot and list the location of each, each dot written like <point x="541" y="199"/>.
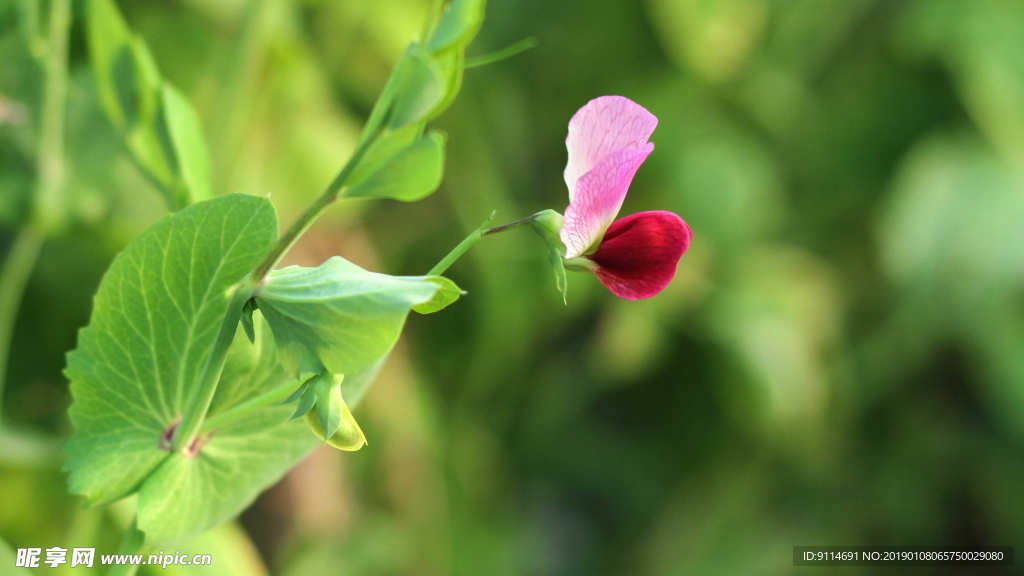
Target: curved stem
<point x="13" y="277"/>
<point x="461" y="249"/>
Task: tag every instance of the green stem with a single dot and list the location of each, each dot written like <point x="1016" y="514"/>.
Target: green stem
<point x="202" y="395"/>
<point x="268" y="398"/>
<point x="461" y="249"/>
<point x="206" y="386"/>
<point x="15" y="274"/>
<point x="47" y="210"/>
<point x="49" y="199"/>
<point x="328" y="197"/>
<point x="131" y="543"/>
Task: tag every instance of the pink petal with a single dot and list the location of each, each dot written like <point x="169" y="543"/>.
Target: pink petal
<point x="602" y="126"/>
<point x="638" y="256"/>
<point x="598" y="199"/>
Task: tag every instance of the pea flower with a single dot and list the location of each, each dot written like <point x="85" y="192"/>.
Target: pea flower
<point x="634" y="257"/>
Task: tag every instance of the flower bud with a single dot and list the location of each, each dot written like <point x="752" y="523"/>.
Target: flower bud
<point x="332" y="412"/>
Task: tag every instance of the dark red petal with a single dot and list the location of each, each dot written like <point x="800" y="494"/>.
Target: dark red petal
<point x="639" y="253"/>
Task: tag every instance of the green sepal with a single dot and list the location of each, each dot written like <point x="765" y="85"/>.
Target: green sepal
<point x="459" y="23"/>
<point x="247" y="310"/>
<point x="547" y="225"/>
<point x="446" y="295"/>
<point x="348" y="436"/>
<point x="338" y="316"/>
<point x="297" y="394"/>
<point x="307" y="399"/>
<point x="409" y="175"/>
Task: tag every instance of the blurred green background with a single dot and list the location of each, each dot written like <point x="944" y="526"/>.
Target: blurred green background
<point x="840" y="359"/>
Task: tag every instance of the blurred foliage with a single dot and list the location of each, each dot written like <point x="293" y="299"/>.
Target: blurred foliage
<point x="840" y="359"/>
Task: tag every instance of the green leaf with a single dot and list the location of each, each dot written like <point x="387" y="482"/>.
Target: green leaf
<point x="447" y="294"/>
<point x="418" y="87"/>
<point x="109" y="50"/>
<point x="459" y="23"/>
<point x="188" y="147"/>
<point x="547" y="224"/>
<point x="151" y="148"/>
<point x="452" y="64"/>
<point x="127" y="78"/>
<point x="338" y="316"/>
<point x="384" y="148"/>
<point x="154" y="319"/>
<point x="411" y="174"/>
<point x="235" y="462"/>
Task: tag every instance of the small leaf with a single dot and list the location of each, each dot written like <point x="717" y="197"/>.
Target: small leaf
<point x="127" y="77"/>
<point x="147" y="80"/>
<point x="459" y="23"/>
<point x="151" y="149"/>
<point x="445" y="296"/>
<point x="451" y="63"/>
<point x="190" y="156"/>
<point x="418" y="88"/>
<point x="547" y="224"/>
<point x="338" y="316"/>
<point x="383" y="149"/>
<point x="409" y="175"/>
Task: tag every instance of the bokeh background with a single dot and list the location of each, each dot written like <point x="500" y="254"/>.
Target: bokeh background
<point x="840" y="359"/>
